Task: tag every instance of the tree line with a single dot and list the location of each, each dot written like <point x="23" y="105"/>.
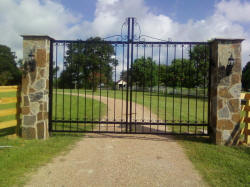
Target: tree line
<point x="90" y="64"/>
<point x="190" y="73"/>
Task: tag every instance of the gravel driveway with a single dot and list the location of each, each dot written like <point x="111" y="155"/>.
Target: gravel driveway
<point x="120" y="160"/>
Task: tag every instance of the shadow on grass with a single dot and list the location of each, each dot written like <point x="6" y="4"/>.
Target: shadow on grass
<point x="243" y="148"/>
<point x="61" y="134"/>
<point x="152" y="135"/>
<point x="198" y="139"/>
<point x="7" y="131"/>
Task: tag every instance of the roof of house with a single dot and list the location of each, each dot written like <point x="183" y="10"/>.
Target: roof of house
<point x="122" y="81"/>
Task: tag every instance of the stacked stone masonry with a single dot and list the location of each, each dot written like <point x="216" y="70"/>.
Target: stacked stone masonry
<point x="35" y="88"/>
<point x="225" y="90"/>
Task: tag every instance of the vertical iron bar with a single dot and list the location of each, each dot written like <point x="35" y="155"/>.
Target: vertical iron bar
<point x="115" y="87"/>
<point x="166" y="90"/>
<point x="143" y="98"/>
<point x="51" y="86"/>
<point x="92" y="103"/>
<point x="158" y="98"/>
<point x="151" y="85"/>
<point x="209" y="89"/>
<point x="189" y="82"/>
<point x="71" y="63"/>
<point x="174" y="81"/>
<point x="127" y="75"/>
<point x="181" y="85"/>
<point x="63" y="82"/>
<point x="131" y="75"/>
<point x="56" y="87"/>
<point x="204" y="86"/>
<point x="100" y="97"/>
<point x="136" y="89"/>
<point x="122" y="82"/>
<point x="107" y="109"/>
<point x="196" y="94"/>
<point x="78" y="84"/>
<point x="85" y="101"/>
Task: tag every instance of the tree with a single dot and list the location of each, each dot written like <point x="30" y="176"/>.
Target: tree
<point x="9" y="72"/>
<point x="246" y="77"/>
<point x="88" y="64"/>
<point x="143" y="72"/>
<point x="179" y="73"/>
<point x="199" y="56"/>
<point x="187" y="72"/>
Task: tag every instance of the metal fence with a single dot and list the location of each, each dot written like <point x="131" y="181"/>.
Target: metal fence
<point x="166" y="89"/>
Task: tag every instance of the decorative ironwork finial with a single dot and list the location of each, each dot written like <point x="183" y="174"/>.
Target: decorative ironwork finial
<point x="132" y="29"/>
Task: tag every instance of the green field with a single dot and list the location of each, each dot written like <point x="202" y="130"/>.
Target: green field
<point x="226" y="166"/>
<point x="72" y="108"/>
<point x="176" y="108"/>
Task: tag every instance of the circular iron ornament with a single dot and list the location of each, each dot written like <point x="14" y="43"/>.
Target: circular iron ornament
<point x="137" y="30"/>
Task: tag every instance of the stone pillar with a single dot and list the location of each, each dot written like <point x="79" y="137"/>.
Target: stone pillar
<point x="225" y="90"/>
<point x="35" y="87"/>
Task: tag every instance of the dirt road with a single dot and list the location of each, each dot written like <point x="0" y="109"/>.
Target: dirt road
<point x="120" y="160"/>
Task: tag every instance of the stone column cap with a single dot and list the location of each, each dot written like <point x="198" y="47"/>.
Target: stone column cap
<point x="37" y="37"/>
<point x="227" y="40"/>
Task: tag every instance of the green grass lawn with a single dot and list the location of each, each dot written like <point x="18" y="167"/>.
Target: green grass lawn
<point x="170" y="108"/>
<point x="219" y="165"/>
<point x="181" y="105"/>
<point x="25" y="156"/>
<point x="72" y="108"/>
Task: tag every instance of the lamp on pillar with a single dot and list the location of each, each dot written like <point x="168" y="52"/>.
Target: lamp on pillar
<point x="230" y="65"/>
<point x="30" y="64"/>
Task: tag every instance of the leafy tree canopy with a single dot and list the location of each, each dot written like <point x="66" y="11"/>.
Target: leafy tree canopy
<point x="190" y="72"/>
<point x="9" y="72"/>
<point x="88" y="64"/>
<point x="143" y="72"/>
<point x="246" y="77"/>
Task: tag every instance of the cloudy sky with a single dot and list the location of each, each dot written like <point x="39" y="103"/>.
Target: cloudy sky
<point x="180" y="20"/>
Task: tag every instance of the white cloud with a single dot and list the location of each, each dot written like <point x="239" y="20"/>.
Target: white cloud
<point x="52" y="18"/>
<point x="234" y="10"/>
<point x="33" y="17"/>
<point x="222" y="24"/>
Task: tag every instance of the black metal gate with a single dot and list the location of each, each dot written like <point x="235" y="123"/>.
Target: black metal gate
<point x="129" y="85"/>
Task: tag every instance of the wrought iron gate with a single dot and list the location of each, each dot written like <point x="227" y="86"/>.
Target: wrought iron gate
<point x="129" y="85"/>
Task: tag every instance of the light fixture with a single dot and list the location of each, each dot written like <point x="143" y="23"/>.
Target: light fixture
<point x="31" y="62"/>
<point x="230" y="65"/>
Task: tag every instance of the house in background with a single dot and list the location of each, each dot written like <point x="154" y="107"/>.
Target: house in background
<point x="121" y="84"/>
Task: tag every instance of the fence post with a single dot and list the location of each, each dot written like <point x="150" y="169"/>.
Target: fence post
<point x="225" y="90"/>
<point x="35" y="87"/>
<point x="246" y="108"/>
